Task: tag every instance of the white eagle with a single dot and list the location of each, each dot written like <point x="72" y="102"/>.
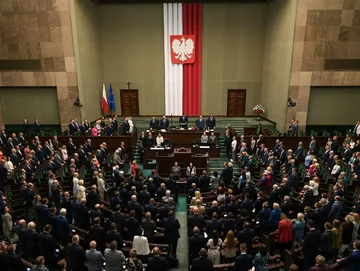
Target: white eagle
<point x="182" y="48"/>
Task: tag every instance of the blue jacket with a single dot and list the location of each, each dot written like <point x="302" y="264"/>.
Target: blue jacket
<point x="298" y="230"/>
<point x="335" y="211"/>
<point x="352" y="261"/>
<point x="243" y="262"/>
<point x="275" y="218"/>
<point x="62" y="227"/>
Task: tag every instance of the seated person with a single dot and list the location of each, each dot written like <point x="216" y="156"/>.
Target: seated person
<point x="204" y="138"/>
<point x="183" y="121"/>
<point x="164" y="123"/>
<point x="200" y="123"/>
<point x="159" y="140"/>
<point x="212" y="139"/>
<point x="154" y="124"/>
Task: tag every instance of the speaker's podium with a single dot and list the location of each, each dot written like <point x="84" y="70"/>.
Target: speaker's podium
<point x="183" y="156"/>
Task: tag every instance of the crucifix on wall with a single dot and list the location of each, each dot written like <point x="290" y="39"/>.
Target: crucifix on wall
<point x="128" y="84"/>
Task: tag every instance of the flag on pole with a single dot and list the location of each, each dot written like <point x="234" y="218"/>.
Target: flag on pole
<point x="111" y="99"/>
<point x="104" y="103"/>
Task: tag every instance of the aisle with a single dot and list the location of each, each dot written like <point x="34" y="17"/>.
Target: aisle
<point x="182" y="249"/>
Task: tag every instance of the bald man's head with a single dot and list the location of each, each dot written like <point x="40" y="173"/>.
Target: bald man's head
<point x="196" y="210"/>
<point x="22" y="222"/>
<point x="93" y="245"/>
<point x="31" y="226"/>
<point x="156" y="251"/>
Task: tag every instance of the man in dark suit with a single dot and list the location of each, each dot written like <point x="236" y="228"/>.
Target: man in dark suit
<point x="200" y="123"/>
<point x="144" y="196"/>
<point x="336" y="209"/>
<point x="204" y="182"/>
<point x="76" y="255"/>
<point x="213" y="225"/>
<point x="214" y="209"/>
<point x="192" y="179"/>
<point x="183" y="121"/>
<point x="247" y="203"/>
<point x="202" y="263"/>
<point x="32" y="248"/>
<point x="55" y="194"/>
<point x="82" y="219"/>
<point x="211" y="122"/>
<point x="70" y="147"/>
<point x="165" y="209"/>
<point x="243" y="262"/>
<point x="353" y="260"/>
<point x="312" y="242"/>
<point x="327" y="239"/>
<point x="246" y="235"/>
<point x="36" y="127"/>
<point x="133" y="205"/>
<point x="195" y="220"/>
<point x="299" y="153"/>
<point x="114" y="235"/>
<point x="164" y="123"/>
<point x="157" y="263"/>
<point x="151" y="207"/>
<point x="149" y="227"/>
<point x="171" y="233"/>
<point x="274" y="195"/>
<point x="196" y="242"/>
<point x="11" y="261"/>
<point x="227" y="174"/>
<point x="96" y="212"/>
<point x="97" y="233"/>
<point x="44" y="212"/>
<point x="250" y="189"/>
<point x="118" y="218"/>
<point x="154" y="123"/>
<point x="26" y="126"/>
<point x="92" y="197"/>
<point x="286" y="206"/>
<point x="63" y="227"/>
<point x="48" y="246"/>
<point x="149" y="141"/>
<point x="132" y="225"/>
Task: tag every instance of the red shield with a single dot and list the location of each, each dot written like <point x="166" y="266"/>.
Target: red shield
<point x="182" y="48"/>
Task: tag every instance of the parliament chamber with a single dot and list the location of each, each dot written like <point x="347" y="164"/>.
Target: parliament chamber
<point x="190" y="135"/>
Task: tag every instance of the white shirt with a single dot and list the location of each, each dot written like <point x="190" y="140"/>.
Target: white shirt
<point x="335" y="170"/>
<point x="233" y="145"/>
<point x="357" y="129"/>
<point x="131" y="124"/>
<point x="316" y="189"/>
<point x="75" y="184"/>
<point x="141" y="244"/>
<point x="159" y="140"/>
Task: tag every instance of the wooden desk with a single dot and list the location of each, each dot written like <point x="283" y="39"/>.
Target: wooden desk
<point x="165" y="163"/>
<point x="213" y="152"/>
<point x="184" y="138"/>
<point x="151" y="153"/>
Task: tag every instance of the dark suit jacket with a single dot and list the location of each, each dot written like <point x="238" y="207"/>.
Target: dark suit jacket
<point x="115" y="236"/>
<point x="48" y="245"/>
<point x="196" y="243"/>
<point x="62" y="228"/>
<point x="201" y="263"/>
<point x="312" y="241"/>
<point x="243" y="262"/>
<point x="12" y="262"/>
<point x="92" y="199"/>
<point x="97" y="233"/>
<point x="119" y="219"/>
<point x="32" y="243"/>
<point x="44" y="212"/>
<point x="286" y="207"/>
<point x="326" y="241"/>
<point x="214" y="224"/>
<point x="149" y="227"/>
<point x="195" y="220"/>
<point x="352" y="261"/>
<point x="246" y="236"/>
<point x="274" y="197"/>
<point x="132" y="226"/>
<point x="164" y="124"/>
<point x="76" y="257"/>
<point x="82" y="219"/>
<point x="154" y="124"/>
<point x="172" y="227"/>
<point x="157" y="264"/>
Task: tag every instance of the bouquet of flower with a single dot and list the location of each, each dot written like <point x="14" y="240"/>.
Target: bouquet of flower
<point x="259" y="109"/>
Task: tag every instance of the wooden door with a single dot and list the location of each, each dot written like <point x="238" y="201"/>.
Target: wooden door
<point x="236" y="102"/>
<point x="129" y="99"/>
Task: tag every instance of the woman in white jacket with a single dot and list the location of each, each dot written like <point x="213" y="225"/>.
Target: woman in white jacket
<point x="101" y="186"/>
<point x="81" y="189"/>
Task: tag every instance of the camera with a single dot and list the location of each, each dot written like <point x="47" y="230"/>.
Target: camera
<point x="290" y="103"/>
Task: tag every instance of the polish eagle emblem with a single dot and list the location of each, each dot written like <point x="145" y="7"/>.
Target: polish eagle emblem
<point x="183" y="49"/>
